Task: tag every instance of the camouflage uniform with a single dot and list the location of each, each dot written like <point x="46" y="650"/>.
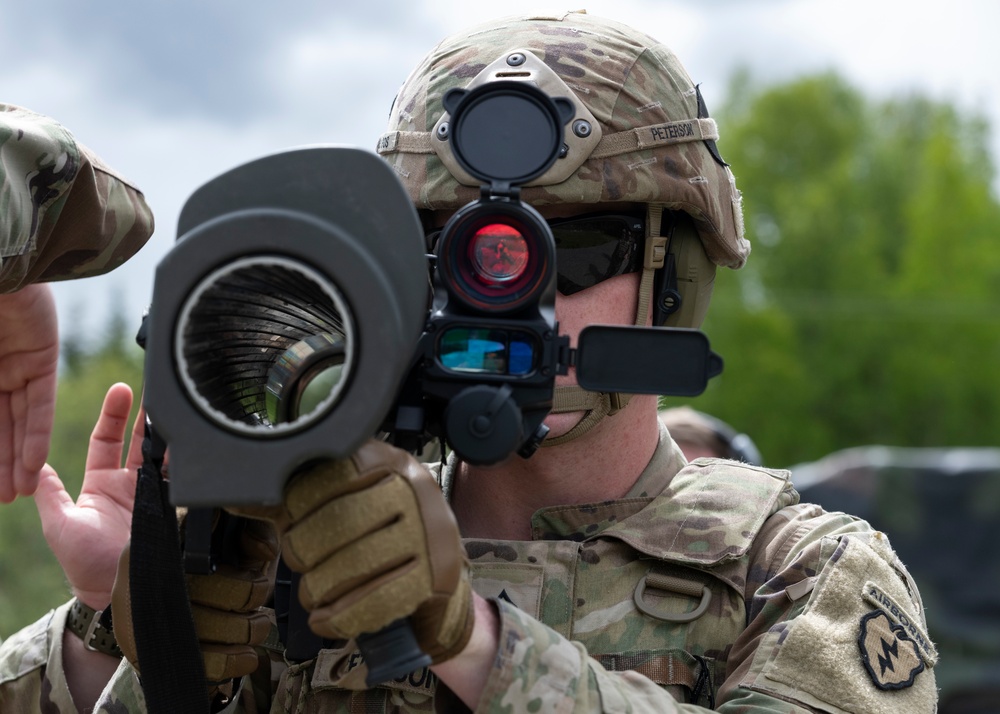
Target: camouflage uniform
<point x="805" y="610"/>
<point x="31" y="672"/>
<point x="707" y="586"/>
<point x="63" y="213"/>
<point x="923" y="497"/>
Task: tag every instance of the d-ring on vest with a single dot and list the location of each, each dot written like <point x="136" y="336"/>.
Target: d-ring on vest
<point x="674" y="585"/>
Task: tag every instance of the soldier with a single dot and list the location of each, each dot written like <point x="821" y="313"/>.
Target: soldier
<point x="702" y="435"/>
<point x="65" y="215"/>
<point x="604" y="573"/>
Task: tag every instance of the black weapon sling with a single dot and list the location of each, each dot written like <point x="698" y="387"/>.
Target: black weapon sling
<point x="172" y="672"/>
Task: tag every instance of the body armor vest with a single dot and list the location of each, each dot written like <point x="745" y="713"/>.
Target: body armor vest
<point x="650" y="584"/>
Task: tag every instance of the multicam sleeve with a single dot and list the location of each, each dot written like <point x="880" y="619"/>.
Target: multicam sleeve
<point x="835" y="622"/>
<point x="537" y="669"/>
<point x="31" y="671"/>
<point x="32" y="679"/>
<point x="124" y="694"/>
<point x="63" y="213"/>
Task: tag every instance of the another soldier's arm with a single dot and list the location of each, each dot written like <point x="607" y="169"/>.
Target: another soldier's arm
<point x="32" y="677"/>
<point x="86" y="535"/>
<point x="65" y="215"/>
<point x="45" y="669"/>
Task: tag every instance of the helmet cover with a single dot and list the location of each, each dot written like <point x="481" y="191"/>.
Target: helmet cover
<point x="653" y="143"/>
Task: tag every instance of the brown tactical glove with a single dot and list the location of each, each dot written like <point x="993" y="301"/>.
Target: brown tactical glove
<point x="375" y="542"/>
<point x="226" y="605"/>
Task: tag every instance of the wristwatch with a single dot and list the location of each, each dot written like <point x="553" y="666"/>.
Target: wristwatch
<point x="93" y="627"/>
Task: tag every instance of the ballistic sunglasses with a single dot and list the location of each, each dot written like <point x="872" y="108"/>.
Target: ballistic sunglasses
<point x="592" y="248"/>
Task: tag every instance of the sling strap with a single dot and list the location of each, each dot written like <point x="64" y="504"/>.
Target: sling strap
<point x="172" y="672"/>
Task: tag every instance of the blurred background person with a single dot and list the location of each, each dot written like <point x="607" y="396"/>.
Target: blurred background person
<point x="702" y="435"/>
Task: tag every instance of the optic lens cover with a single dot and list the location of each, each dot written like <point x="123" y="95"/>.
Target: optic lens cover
<point x="506" y="131"/>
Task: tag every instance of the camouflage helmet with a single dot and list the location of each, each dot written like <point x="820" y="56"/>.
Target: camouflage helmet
<point x="651" y="143"/>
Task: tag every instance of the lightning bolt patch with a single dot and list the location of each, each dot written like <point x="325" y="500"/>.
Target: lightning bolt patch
<point x="889" y="655"/>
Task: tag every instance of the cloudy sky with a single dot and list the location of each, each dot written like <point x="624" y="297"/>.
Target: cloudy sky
<point x="174" y="93"/>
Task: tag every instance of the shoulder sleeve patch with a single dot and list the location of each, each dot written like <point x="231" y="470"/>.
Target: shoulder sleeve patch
<point x="814" y="658"/>
<point x="900" y="616"/>
<point x="888" y="654"/>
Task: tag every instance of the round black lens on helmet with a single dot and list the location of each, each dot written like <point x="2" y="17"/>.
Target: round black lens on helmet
<point x="506" y="131"/>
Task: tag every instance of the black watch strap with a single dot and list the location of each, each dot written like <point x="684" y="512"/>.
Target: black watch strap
<point x="93" y="627"/>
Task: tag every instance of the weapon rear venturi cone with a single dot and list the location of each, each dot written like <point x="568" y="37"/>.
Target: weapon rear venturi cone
<point x="299" y="272"/>
<point x="254" y="336"/>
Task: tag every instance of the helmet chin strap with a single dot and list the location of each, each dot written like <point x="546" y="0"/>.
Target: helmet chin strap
<point x="598" y="405"/>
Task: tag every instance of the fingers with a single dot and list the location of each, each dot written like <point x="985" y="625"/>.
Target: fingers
<point x="52" y="502"/>
<point x="29" y="355"/>
<point x="6" y="449"/>
<point x="372" y="607"/>
<point x="347" y="520"/>
<point x="230" y="589"/>
<point x="365" y="567"/>
<point x="40" y="412"/>
<point x="18" y="407"/>
<point x="327" y="480"/>
<point x="225" y="662"/>
<point x="25" y="480"/>
<point x="107" y="441"/>
<point x="134" y="459"/>
<point x="7" y="492"/>
<point x="258" y="543"/>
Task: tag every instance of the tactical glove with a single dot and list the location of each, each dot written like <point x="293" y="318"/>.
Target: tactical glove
<point x="375" y="542"/>
<point x="226" y="605"/>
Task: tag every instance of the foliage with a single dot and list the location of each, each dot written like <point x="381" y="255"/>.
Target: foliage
<point x="866" y="313"/>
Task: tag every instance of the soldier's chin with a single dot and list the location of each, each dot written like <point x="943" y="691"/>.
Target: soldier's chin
<point x="560" y="424"/>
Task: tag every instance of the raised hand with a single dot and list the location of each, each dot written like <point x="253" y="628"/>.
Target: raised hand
<point x="87" y="535"/>
<point x="29" y="359"/>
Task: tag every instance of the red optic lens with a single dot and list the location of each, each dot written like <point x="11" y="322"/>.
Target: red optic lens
<point x="499" y="253"/>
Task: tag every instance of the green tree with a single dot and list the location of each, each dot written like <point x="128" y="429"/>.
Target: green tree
<point x="866" y="313"/>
